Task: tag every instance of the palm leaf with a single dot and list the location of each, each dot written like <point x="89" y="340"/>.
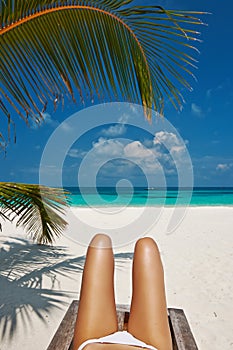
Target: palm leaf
<point x="35" y="207"/>
<point x="101" y="49"/>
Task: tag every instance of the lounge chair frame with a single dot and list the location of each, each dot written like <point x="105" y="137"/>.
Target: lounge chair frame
<point x="182" y="336"/>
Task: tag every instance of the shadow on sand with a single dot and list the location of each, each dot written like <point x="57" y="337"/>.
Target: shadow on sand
<point x="23" y="270"/>
<point x="24" y="267"/>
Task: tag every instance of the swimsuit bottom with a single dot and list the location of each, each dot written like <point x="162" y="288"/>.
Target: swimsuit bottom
<point x="122" y="337"/>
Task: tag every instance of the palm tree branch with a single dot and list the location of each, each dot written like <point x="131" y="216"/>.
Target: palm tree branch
<point x="51" y="53"/>
<point x="70" y="7"/>
<point x="101" y="46"/>
<point x="34" y="207"/>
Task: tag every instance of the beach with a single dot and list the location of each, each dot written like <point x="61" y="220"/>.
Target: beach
<point x="37" y="283"/>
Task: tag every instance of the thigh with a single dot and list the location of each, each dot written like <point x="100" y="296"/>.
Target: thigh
<point x="148" y="319"/>
<point x="97" y="311"/>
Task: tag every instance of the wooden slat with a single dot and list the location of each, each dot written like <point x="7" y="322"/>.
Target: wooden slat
<point x="121" y="320"/>
<point x="122" y="316"/>
<point x="181" y="331"/>
<point x="65" y="332"/>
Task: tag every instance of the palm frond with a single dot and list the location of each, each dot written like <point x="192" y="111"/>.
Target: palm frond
<point x="36" y="208"/>
<point x="106" y="48"/>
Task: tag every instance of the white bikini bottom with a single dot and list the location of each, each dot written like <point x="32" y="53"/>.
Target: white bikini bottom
<point x="123" y="337"/>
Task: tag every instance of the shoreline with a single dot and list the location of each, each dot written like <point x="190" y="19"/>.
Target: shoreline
<point x="197" y="258"/>
<point x="154" y="206"/>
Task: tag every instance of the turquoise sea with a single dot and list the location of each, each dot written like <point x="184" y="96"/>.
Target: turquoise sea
<point x="139" y="196"/>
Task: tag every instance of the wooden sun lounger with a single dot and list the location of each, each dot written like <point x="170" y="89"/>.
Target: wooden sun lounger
<point x="182" y="337"/>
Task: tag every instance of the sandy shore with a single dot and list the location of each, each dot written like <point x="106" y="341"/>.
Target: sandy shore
<point x="37" y="282"/>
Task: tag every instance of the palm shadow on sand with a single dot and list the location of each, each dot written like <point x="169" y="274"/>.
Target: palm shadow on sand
<point x="23" y="270"/>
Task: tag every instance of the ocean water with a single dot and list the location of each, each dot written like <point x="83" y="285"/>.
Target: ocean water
<point x="139" y="196"/>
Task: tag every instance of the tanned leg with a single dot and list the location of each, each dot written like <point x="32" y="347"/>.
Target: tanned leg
<point x="148" y="319"/>
<point x="97" y="310"/>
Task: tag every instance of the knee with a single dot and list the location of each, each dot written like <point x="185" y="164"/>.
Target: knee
<point x="147" y="245"/>
<point x="101" y="240"/>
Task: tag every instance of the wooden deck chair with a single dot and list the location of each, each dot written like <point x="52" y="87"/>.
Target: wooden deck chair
<point x="182" y="337"/>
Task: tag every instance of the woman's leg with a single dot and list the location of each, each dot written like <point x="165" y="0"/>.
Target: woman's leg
<point x="148" y="319"/>
<point x="97" y="310"/>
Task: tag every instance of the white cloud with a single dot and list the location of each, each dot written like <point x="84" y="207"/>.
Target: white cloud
<point x="223" y="166"/>
<point x="136" y="149"/>
<point x="164" y="155"/>
<point x="120" y="167"/>
<point x="123" y="119"/>
<point x="117" y="129"/>
<point x="134" y="109"/>
<point x="177" y="149"/>
<point x="114" y="130"/>
<point x="109" y="148"/>
<point x="197" y="110"/>
<point x="171" y="142"/>
<point x="210" y="92"/>
<point x="148" y="143"/>
<point x="47" y="120"/>
<point x="76" y="153"/>
<point x="166" y="138"/>
<point x="148" y="159"/>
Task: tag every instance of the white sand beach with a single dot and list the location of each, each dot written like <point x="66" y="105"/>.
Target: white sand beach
<point x="37" y="283"/>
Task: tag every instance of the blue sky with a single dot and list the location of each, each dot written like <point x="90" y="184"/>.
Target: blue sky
<point x="205" y="124"/>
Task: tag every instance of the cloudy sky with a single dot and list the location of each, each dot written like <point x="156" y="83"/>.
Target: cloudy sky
<point x="120" y="145"/>
<point x="119" y="149"/>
